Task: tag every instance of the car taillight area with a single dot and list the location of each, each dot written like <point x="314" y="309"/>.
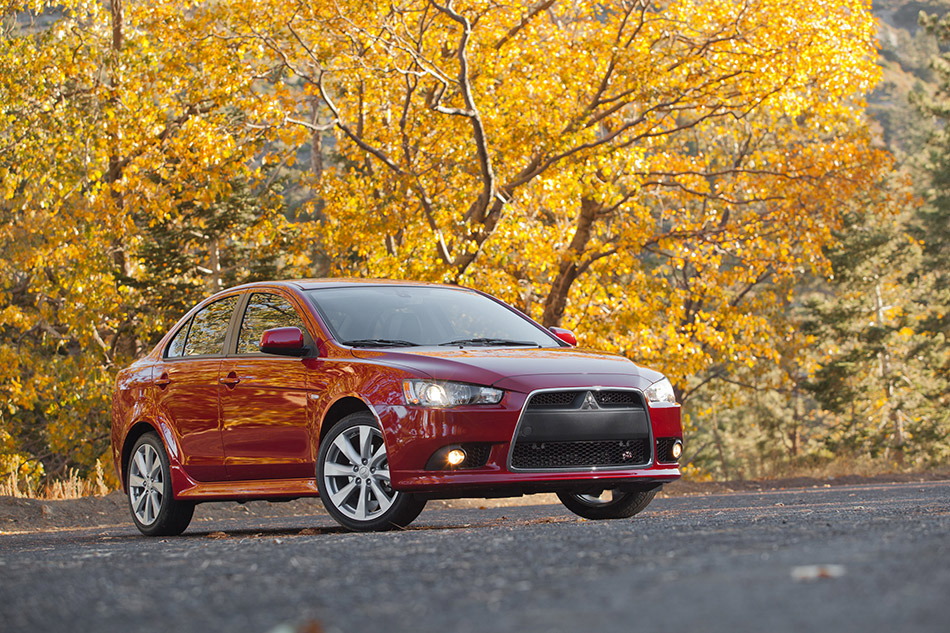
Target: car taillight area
<point x="582" y="429"/>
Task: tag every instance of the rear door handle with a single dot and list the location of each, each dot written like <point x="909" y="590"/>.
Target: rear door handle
<point x="163" y="381"/>
<point x="230" y="380"/>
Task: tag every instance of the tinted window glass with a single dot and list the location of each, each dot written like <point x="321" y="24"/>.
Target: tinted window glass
<point x="209" y="328"/>
<point x="177" y="347"/>
<point x="422" y="316"/>
<point x="265" y="311"/>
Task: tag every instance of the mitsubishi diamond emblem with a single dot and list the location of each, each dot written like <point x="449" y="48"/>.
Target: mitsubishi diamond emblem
<point x="589" y="402"/>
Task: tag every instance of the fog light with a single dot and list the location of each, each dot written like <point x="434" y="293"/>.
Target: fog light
<point x="455" y="457"/>
<point x="677" y="449"/>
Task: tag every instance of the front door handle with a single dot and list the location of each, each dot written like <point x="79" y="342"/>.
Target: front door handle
<point x="231" y="380"/>
<point x="163" y="381"/>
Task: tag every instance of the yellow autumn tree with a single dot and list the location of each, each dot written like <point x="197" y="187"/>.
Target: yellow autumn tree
<point x="655" y="174"/>
<point x="124" y="125"/>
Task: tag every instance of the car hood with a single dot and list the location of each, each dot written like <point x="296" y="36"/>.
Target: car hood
<point x="519" y="369"/>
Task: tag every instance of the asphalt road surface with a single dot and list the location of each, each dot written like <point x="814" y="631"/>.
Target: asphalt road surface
<point x="852" y="558"/>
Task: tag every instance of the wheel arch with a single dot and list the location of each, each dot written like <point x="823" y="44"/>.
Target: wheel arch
<point x="343" y="407"/>
<point x="138" y="430"/>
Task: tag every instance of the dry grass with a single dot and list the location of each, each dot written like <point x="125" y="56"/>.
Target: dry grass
<point x="72" y="487"/>
<point x="842" y="466"/>
<point x="820" y="468"/>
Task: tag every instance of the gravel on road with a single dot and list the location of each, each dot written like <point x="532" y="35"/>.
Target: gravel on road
<point x="871" y="557"/>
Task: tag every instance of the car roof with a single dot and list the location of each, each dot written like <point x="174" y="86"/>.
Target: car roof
<point x="339" y="282"/>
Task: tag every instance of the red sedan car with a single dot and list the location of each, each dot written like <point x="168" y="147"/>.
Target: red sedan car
<point x="378" y="395"/>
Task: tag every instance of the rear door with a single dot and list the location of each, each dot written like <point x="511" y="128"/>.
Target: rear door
<point x="187" y="389"/>
<point x="264" y="398"/>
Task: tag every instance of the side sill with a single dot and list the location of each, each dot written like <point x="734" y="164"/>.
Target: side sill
<point x="250" y="490"/>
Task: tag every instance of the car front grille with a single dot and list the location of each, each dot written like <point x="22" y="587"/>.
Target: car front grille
<point x="582" y="428"/>
<point x="542" y="455"/>
<point x="553" y="399"/>
<point x="569" y="399"/>
<point x="617" y="399"/>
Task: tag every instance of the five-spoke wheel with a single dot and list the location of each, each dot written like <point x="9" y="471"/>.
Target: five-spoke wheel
<point x="148" y="482"/>
<point x="353" y="478"/>
<point x="607" y="504"/>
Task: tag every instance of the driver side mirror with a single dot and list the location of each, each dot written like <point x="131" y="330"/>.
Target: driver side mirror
<point x="565" y="335"/>
<point x="283" y="341"/>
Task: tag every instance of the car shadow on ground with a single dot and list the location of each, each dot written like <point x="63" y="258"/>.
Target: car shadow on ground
<point x="281" y="532"/>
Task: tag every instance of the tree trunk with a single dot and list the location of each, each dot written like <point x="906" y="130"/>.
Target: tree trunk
<point x="796" y="424"/>
<point x="316" y="142"/>
<point x="718" y="440"/>
<point x="115" y="164"/>
<point x="884" y="360"/>
<point x="215" y="265"/>
<point x="125" y="343"/>
<point x="569" y="268"/>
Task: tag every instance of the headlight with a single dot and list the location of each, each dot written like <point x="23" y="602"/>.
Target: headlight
<point x="442" y="395"/>
<point x="661" y="391"/>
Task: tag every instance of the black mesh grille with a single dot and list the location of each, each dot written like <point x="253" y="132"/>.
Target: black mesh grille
<point x="530" y="455"/>
<point x="476" y="455"/>
<point x="617" y="398"/>
<point x="664" y="449"/>
<point x="553" y="399"/>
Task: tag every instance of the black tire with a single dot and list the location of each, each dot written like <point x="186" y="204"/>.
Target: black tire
<point x="621" y="505"/>
<point x="353" y="478"/>
<point x="148" y="483"/>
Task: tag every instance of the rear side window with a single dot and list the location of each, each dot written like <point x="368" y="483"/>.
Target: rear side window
<point x="209" y="328"/>
<point x="264" y="312"/>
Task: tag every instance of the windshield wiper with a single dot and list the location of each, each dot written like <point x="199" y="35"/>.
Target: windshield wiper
<point x="379" y="342"/>
<point x="490" y="342"/>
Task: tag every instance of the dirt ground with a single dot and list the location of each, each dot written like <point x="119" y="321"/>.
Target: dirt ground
<point x="29" y="515"/>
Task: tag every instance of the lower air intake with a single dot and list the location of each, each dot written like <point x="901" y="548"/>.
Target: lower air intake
<point x="476" y="455"/>
<point x="587" y="454"/>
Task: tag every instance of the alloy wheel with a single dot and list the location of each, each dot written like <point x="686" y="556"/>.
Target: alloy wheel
<point x="356" y="474"/>
<point x="146" y="484"/>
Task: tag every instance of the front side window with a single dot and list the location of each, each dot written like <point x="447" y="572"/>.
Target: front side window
<point x="264" y="312"/>
<point x="209" y="328"/>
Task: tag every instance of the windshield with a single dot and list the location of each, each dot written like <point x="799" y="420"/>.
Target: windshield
<point x="376" y="316"/>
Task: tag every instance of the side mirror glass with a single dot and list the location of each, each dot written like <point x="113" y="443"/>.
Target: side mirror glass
<point x="283" y="341"/>
<point x="565" y="335"/>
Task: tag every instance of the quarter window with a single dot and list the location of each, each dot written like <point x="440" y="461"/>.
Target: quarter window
<point x="264" y="312"/>
<point x="209" y="328"/>
<point x="177" y="347"/>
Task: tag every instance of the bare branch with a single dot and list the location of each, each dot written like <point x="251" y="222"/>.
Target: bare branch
<point x="479" y="209"/>
<point x="350" y="134"/>
<point x="535" y="10"/>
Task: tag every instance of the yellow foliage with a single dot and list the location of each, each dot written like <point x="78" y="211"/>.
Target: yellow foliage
<point x="650" y="174"/>
<point x="654" y="174"/>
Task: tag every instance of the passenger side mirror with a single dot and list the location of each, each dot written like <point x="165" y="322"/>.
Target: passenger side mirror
<point x="283" y="341"/>
<point x="565" y="335"/>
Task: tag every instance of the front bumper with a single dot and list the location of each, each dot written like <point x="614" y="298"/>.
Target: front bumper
<point x="414" y="434"/>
